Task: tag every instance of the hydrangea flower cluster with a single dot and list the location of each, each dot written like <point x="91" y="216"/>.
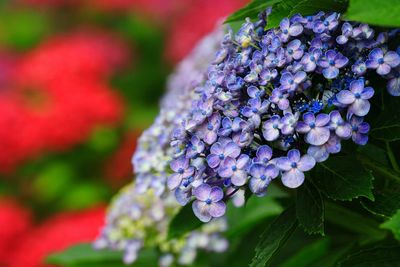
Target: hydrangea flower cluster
<point x="275" y="103"/>
<point x="139" y="217"/>
<point x="135" y="221"/>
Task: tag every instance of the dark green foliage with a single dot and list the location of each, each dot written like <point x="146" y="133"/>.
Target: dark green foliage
<point x="274" y="237"/>
<point x="310" y="209"/>
<point x="343" y="178"/>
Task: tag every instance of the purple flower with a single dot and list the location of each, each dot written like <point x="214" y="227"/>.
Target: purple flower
<point x="359" y="67"/>
<point x="253" y="75"/>
<point x="204" y="110"/>
<point x="235" y="169"/>
<point x="315" y="128"/>
<point x="275" y="44"/>
<point x="208" y="130"/>
<point x="182" y="170"/>
<point x="356" y="98"/>
<point x="254" y="109"/>
<point x="329" y="23"/>
<point x="219" y="151"/>
<point x="288" y="30"/>
<point x="290" y="82"/>
<point x="276" y="59"/>
<point x="294" y="50"/>
<point x="196" y="146"/>
<point x="393" y="85"/>
<point x="331" y="62"/>
<point x="266" y="75"/>
<point x="360" y="130"/>
<point x="271" y="127"/>
<point x="289" y="123"/>
<point x="321" y="153"/>
<point x="261" y="176"/>
<point x="220" y="55"/>
<point x="293" y="167"/>
<point x="226" y="128"/>
<point x="183" y="195"/>
<point x="279" y="97"/>
<point x="208" y="203"/>
<point x="347" y="32"/>
<point x="310" y="59"/>
<point x="337" y="124"/>
<point x="254" y="92"/>
<point x="382" y="62"/>
<point x="263" y="155"/>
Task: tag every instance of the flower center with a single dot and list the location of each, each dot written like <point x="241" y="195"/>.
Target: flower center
<point x="221" y="156"/>
<point x="381" y="61"/>
<point x="357" y="95"/>
<point x="210" y="127"/>
<point x="285" y="31"/>
<point x="234" y="168"/>
<point x="208" y="201"/>
<point x="312" y="125"/>
<point x="263" y="177"/>
<point x="326" y="23"/>
<point x="331" y="62"/>
<point x="181" y="171"/>
<point x="294" y="165"/>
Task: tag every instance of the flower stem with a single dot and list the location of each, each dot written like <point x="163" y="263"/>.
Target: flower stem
<point x="392" y="158"/>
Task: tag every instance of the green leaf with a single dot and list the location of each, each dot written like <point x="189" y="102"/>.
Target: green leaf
<point x="83" y="255"/>
<point x="308" y="254"/>
<point x="343" y="178"/>
<point x="279" y="11"/>
<point x="365" y="227"/>
<point x="374" y="153"/>
<point x="274" y="237"/>
<point x="251" y="10"/>
<point x="393" y="224"/>
<point x="387" y="125"/>
<point x="310" y="209"/>
<point x="242" y="219"/>
<point x="373" y="257"/>
<point x="387" y="196"/>
<point x="83" y="195"/>
<point x="377" y="12"/>
<point x="289" y="8"/>
<point x="387" y="133"/>
<point x="52" y="181"/>
<point x="183" y="222"/>
<point x="330" y="259"/>
<point x="22" y="29"/>
<point x="310" y="7"/>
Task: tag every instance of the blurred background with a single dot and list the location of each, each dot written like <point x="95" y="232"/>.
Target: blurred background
<point x="79" y="81"/>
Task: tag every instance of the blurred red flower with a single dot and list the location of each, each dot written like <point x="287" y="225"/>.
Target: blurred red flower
<point x="198" y="20"/>
<point x="59" y="95"/>
<point x="15" y="221"/>
<point x="56" y="234"/>
<point x="85" y="54"/>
